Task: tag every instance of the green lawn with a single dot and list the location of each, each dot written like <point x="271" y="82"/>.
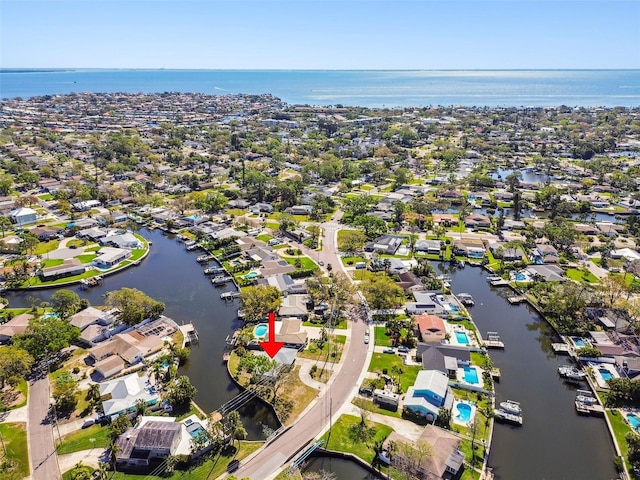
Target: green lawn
<point x="386" y="361"/>
<point x="45" y="197"/>
<point x="581" y="276"/>
<point x="81" y="439"/>
<point x="23" y="387"/>
<point x="341" y="437"/>
<point x="620" y="429"/>
<point x="307" y="263"/>
<point x="209" y="469"/>
<point x="341" y="325"/>
<point x="14" y="437"/>
<point x="52" y="262"/>
<point x="45" y="247"/>
<point x="381" y="338"/>
<point x="336" y="344"/>
<point x="86" y="258"/>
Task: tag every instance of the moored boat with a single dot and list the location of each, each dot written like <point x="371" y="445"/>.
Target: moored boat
<point x="512" y="407"/>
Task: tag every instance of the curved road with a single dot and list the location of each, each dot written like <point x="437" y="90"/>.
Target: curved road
<point x="318" y="416"/>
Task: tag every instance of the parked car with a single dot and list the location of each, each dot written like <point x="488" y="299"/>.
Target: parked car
<point x="388" y="350"/>
<point x="403" y="349"/>
<point x="321" y="263"/>
<point x="366" y="337"/>
<point x="365" y="391"/>
<point x="88" y="422"/>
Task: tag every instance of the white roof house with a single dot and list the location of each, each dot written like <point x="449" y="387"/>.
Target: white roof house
<point x="125" y="392"/>
<point x="429" y="393"/>
<point x="23" y="216"/>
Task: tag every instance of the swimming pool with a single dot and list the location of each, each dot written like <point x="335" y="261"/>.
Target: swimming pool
<point x="605" y="374"/>
<point x="633" y="420"/>
<point x="260" y="330"/>
<point x="464" y="412"/>
<point x="251" y="275"/>
<point x="471" y="375"/>
<point x="50" y="315"/>
<point x="461" y="337"/>
<point x="521" y="277"/>
<point x="578" y="342"/>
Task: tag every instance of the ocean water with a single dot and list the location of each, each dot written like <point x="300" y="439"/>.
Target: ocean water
<point x="377" y="88"/>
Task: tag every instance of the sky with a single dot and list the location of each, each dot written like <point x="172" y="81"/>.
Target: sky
<point x="320" y="34"/>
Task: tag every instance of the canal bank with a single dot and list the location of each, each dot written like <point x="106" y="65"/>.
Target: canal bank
<point x="171" y="275"/>
<point x="554" y="441"/>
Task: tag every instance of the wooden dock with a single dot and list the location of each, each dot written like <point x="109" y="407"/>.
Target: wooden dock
<point x="515" y="299"/>
<point x="499" y="283"/>
<point x="493" y="340"/>
<point x="560" y="348"/>
<point x="229" y="295"/>
<point x="589" y="409"/>
<point x="495" y="374"/>
<point x="506" y="417"/>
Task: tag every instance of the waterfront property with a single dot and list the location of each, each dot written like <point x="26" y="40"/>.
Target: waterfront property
<point x="602" y="373"/>
<point x="428" y="394"/>
<point x="122" y="394"/>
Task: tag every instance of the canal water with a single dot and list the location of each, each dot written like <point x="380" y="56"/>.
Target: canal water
<point x="554" y="441"/>
<point x="171" y="275"/>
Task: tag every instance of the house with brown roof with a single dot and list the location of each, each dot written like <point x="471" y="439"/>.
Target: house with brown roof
<point x="430" y="328"/>
<point x="16" y="325"/>
<point x="446" y="461"/>
<point x="476" y="220"/>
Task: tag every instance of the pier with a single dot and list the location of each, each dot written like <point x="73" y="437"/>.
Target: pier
<point x="560" y="348"/>
<point x="229" y="295"/>
<point x="493" y="341"/>
<point x="515" y="299"/>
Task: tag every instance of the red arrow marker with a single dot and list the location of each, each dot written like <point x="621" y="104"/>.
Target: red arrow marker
<point x="272" y="347"/>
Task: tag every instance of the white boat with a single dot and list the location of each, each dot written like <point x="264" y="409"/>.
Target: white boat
<point x="494" y="278"/>
<point x="570" y="372"/>
<point x="586" y="399"/>
<point x="511" y="407"/>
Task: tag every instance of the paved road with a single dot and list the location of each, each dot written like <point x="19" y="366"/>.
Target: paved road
<point x="42" y="451"/>
<point x="319" y="415"/>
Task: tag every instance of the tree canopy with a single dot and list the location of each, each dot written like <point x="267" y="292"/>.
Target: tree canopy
<point x="258" y="301"/>
<point x="65" y="303"/>
<point x="382" y="293"/>
<point x="134" y="305"/>
<point x="45" y="336"/>
<point x="15" y="363"/>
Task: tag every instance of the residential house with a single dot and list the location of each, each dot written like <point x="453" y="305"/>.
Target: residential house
<point x="428" y="246"/>
<point x="294" y="306"/>
<point x="444" y="219"/>
<point x="548" y="273"/>
<point x="261" y="208"/>
<point x="386" y="244"/>
<point x="123" y="393"/>
<point x="109" y="257"/>
<point x="410" y="282"/>
<point x="45" y="234"/>
<point x="92" y="233"/>
<point x="426" y="302"/>
<point x="86" y="205"/>
<point x="70" y="267"/>
<point x="92" y="316"/>
<point x="299" y="210"/>
<point x="445" y="358"/>
<point x="429" y="393"/>
<point x="110" y="366"/>
<point x="429" y="328"/>
<point x="476" y="220"/>
<point x="445" y="460"/>
<point x="469" y="247"/>
<point x="544" y="253"/>
<point x="23" y="216"/>
<point x="586" y="229"/>
<point x="16" y="325"/>
<point x="149" y="443"/>
<point x="126" y="240"/>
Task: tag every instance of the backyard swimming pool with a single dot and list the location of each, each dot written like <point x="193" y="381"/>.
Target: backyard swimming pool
<point x="464" y="412"/>
<point x="605" y="374"/>
<point x="633" y="420"/>
<point x="251" y="275"/>
<point x="461" y="338"/>
<point x="471" y="375"/>
<point x="578" y="342"/>
<point x="196" y="431"/>
<point x="260" y="330"/>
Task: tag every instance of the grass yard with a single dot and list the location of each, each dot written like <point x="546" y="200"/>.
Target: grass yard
<point x="86" y="258"/>
<point x="366" y="404"/>
<point x="581" y="275"/>
<point x="345" y="437"/>
<point x="45" y="247"/>
<point x="380" y="336"/>
<point x="52" y="262"/>
<point x="386" y="361"/>
<point x="209" y="469"/>
<point x="336" y="344"/>
<point x="81" y="439"/>
<point x="14" y="437"/>
<point x="306" y="262"/>
<point x="620" y="429"/>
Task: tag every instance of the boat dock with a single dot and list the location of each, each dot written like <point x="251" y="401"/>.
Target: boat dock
<point x="204" y="258"/>
<point x="499" y="283"/>
<point x="506" y="417"/>
<point x="493" y="340"/>
<point x="219" y="280"/>
<point x="587" y="403"/>
<point x="560" y="348"/>
<point x="229" y="295"/>
<point x="190" y="335"/>
<point x="515" y="299"/>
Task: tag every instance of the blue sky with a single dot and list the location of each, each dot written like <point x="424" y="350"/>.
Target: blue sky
<point x="320" y="34"/>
